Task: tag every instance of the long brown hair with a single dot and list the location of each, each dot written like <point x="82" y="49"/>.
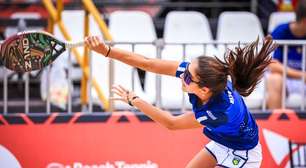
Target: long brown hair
<point x="244" y="65"/>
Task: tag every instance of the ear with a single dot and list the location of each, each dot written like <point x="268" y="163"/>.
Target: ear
<point x="205" y="90"/>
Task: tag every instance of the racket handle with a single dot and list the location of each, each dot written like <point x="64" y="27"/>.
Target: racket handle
<point x="74" y="44"/>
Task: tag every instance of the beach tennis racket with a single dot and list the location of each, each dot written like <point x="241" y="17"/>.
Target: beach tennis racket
<point x="32" y="50"/>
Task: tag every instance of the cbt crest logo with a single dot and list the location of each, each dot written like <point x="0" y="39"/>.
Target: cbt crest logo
<point x="236" y="161"/>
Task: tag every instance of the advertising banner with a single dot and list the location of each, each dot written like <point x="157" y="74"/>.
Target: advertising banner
<point x="128" y="140"/>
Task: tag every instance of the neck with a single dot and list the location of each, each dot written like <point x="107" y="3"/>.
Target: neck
<point x="205" y="98"/>
<point x="298" y="29"/>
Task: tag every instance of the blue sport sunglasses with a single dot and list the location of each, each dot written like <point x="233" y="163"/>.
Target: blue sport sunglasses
<point x="188" y="77"/>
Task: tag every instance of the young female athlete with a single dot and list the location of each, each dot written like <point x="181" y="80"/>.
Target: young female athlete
<point x="216" y="101"/>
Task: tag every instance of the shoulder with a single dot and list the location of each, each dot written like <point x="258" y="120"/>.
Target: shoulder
<point x="282" y="27"/>
<point x="228" y="99"/>
<point x="281" y="31"/>
<point x="222" y="101"/>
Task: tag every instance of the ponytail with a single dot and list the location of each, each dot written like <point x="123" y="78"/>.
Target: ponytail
<point x="246" y="67"/>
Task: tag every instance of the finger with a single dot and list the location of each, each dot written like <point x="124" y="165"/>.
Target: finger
<point x="87" y="41"/>
<point x="117" y="93"/>
<point x="95" y="41"/>
<point x="89" y="38"/>
<point x="92" y="41"/>
<point x="121" y="87"/>
<point x="118" y="88"/>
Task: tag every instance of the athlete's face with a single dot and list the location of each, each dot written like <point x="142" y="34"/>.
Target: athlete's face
<point x="190" y="80"/>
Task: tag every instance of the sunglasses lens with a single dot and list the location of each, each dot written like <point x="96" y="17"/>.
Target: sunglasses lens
<point x="187" y="77"/>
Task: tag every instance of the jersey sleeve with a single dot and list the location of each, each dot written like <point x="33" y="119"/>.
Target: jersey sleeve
<point x="181" y="68"/>
<point x="278" y="54"/>
<point x="278" y="34"/>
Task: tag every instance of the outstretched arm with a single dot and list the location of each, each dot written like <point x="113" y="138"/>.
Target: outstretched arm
<point x="158" y="66"/>
<point x="165" y="118"/>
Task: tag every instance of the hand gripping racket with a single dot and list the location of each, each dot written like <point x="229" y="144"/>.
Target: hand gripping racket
<point x="32" y="50"/>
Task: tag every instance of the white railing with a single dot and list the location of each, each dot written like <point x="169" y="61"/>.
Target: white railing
<point x="286" y="45"/>
<point x="159" y="44"/>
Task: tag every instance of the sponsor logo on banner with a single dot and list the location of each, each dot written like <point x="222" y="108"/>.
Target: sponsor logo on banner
<point x="115" y="164"/>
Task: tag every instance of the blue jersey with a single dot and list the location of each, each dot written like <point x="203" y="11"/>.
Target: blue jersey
<point x="283" y="32"/>
<point x="226" y="118"/>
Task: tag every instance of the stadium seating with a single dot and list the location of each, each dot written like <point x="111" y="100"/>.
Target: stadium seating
<point x="22" y="15"/>
<point x="183" y="27"/>
<point x="238" y="26"/>
<point x="99" y="63"/>
<point x="188" y="27"/>
<point x="244" y="27"/>
<point x="133" y="26"/>
<point x="295" y="101"/>
<point x="179" y="27"/>
<point x="277" y="18"/>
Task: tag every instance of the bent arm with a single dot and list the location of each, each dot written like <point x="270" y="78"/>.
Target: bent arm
<point x="165" y="118"/>
<point x="277" y="67"/>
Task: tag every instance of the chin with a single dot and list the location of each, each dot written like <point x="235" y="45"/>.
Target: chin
<point x="184" y="89"/>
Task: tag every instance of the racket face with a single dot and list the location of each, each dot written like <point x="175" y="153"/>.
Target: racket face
<point x="27" y="51"/>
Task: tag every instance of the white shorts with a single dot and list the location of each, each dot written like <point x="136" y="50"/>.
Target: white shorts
<point x="229" y="158"/>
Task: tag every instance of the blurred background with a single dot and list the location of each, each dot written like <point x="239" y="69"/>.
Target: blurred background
<point x="213" y="22"/>
<point x="61" y="116"/>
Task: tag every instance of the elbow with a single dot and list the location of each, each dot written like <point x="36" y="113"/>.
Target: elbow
<point x="172" y="128"/>
<point x="171" y="125"/>
<point x="275" y="68"/>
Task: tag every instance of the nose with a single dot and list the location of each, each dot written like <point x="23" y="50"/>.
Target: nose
<point x="182" y="79"/>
